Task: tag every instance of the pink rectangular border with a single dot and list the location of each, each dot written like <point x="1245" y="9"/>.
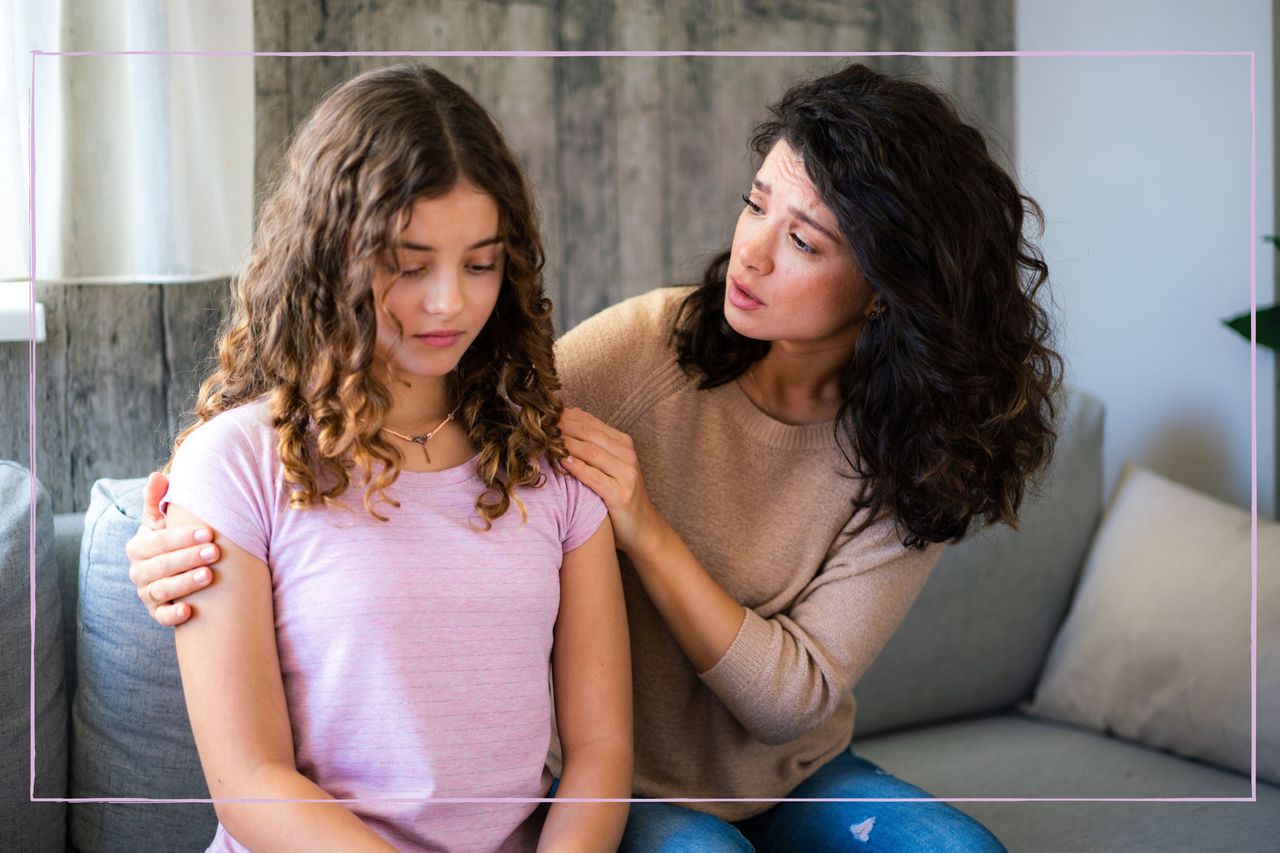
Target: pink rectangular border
<point x="1253" y="375"/>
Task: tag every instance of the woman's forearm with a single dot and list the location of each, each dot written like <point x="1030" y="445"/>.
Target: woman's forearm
<point x="291" y="826"/>
<point x="598" y="771"/>
<point x="703" y="617"/>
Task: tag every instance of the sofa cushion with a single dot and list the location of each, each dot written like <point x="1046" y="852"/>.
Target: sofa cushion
<point x="1156" y="647"/>
<point x="27" y="825"/>
<point x="1012" y="756"/>
<point x="976" y="638"/>
<point x="131" y="736"/>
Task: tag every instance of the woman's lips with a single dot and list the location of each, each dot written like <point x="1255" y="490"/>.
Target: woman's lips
<point x="741" y="297"/>
<point x="436" y="339"/>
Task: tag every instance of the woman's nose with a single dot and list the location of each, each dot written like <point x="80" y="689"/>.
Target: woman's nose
<point x="755" y="249"/>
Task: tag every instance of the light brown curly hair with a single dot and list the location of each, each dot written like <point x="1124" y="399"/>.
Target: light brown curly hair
<point x="303" y="326"/>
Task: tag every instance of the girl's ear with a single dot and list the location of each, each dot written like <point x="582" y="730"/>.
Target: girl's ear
<point x="874" y="308"/>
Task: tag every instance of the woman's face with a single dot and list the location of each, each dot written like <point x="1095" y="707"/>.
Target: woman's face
<point x="451" y="263"/>
<point x="791" y="275"/>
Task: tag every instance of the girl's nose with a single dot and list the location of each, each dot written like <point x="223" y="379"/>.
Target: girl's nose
<point x="444" y="295"/>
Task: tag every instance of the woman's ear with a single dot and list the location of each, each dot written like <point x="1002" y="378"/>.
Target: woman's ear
<point x="874" y="308"/>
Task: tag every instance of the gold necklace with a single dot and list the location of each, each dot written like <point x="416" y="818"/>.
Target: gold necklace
<point x="421" y="440"/>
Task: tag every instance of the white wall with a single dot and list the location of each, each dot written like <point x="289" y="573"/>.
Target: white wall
<point x="1142" y="167"/>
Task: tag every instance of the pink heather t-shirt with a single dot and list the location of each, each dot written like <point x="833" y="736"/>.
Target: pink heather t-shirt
<point x="415" y="652"/>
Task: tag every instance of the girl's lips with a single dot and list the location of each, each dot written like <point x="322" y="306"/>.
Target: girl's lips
<point x="440" y="341"/>
<point x="742" y="298"/>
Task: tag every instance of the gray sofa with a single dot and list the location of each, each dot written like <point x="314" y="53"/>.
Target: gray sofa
<point x="943" y="707"/>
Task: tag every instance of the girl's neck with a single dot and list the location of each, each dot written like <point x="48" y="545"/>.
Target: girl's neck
<point x="418" y="403"/>
<point x="421" y="405"/>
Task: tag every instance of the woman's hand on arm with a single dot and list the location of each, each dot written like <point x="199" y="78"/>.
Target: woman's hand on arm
<point x="591" y="666"/>
<point x="168" y="562"/>
<point x="236" y="703"/>
<point x="703" y="617"/>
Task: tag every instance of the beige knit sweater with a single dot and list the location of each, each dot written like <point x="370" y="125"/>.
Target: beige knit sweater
<point x="764" y="506"/>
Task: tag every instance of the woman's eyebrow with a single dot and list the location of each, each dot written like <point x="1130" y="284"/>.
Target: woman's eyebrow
<point x="418" y="247"/>
<point x="798" y="213"/>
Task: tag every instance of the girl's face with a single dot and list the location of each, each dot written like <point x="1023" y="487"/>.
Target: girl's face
<point x="451" y="261"/>
<point x="791" y="275"/>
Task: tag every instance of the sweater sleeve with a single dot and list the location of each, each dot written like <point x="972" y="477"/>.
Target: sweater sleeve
<point x="785" y="675"/>
<point x="609" y="360"/>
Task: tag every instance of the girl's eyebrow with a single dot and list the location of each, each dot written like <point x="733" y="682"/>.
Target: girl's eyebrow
<point x="798" y="213"/>
<point x="418" y="247"/>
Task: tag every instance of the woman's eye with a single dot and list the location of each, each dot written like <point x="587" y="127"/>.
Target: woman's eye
<point x="801" y="245"/>
<point x="480" y="269"/>
<point x="413" y="273"/>
<point x="751" y="205"/>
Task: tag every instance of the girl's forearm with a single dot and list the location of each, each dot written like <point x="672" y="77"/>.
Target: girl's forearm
<point x="292" y="825"/>
<point x="597" y="771"/>
<point x="703" y="617"/>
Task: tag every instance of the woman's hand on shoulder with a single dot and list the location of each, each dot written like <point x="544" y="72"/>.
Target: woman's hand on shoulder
<point x="166" y="564"/>
<point x="604" y="460"/>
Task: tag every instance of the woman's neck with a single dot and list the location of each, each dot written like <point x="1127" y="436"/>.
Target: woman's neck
<point x="798" y="385"/>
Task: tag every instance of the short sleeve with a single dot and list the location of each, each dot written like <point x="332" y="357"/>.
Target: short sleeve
<point x="222" y="473"/>
<point x="583" y="513"/>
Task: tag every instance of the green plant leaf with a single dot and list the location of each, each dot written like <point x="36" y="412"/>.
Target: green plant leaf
<point x="1268" y="326"/>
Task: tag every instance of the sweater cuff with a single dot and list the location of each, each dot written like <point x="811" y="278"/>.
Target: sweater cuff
<point x="739" y="669"/>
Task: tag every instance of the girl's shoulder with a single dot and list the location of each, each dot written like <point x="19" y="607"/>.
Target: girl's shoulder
<point x="578" y="510"/>
<point x="243" y="429"/>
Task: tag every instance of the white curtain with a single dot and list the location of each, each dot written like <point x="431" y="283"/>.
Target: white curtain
<point x="143" y="163"/>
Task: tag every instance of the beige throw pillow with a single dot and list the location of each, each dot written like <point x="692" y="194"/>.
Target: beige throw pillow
<point x="1155" y="648"/>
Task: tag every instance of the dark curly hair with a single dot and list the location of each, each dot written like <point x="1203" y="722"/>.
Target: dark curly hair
<point x="949" y="396"/>
<point x="304" y="320"/>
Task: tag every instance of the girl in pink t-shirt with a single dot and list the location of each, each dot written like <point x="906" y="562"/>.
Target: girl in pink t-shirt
<point x="404" y="567"/>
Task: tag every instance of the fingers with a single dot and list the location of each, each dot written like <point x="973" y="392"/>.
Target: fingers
<point x="178" y="586"/>
<point x="592" y="478"/>
<point x="168" y="563"/>
<point x="594" y="456"/>
<point x="576" y="423"/>
<point x="154" y="489"/>
<point x="171" y="615"/>
<point x="148" y="543"/>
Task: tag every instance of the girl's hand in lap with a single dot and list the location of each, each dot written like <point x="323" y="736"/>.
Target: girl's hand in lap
<point x="168" y="564"/>
<point x="605" y="461"/>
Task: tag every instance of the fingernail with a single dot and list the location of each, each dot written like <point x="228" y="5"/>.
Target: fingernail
<point x="203" y="535"/>
<point x="569" y="460"/>
<point x="202" y="576"/>
<point x="208" y="552"/>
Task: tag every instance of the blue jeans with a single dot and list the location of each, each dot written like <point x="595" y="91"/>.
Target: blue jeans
<point x="870" y="827"/>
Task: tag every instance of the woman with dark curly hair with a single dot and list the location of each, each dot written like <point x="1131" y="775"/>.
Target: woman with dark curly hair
<point x="783" y="449"/>
<point x="390" y="329"/>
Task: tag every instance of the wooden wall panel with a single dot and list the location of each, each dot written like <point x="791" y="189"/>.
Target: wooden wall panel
<point x="637" y="165"/>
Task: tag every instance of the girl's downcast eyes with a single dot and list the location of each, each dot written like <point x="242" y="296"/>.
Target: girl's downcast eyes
<point x="755" y="208"/>
<point x="475" y="269"/>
